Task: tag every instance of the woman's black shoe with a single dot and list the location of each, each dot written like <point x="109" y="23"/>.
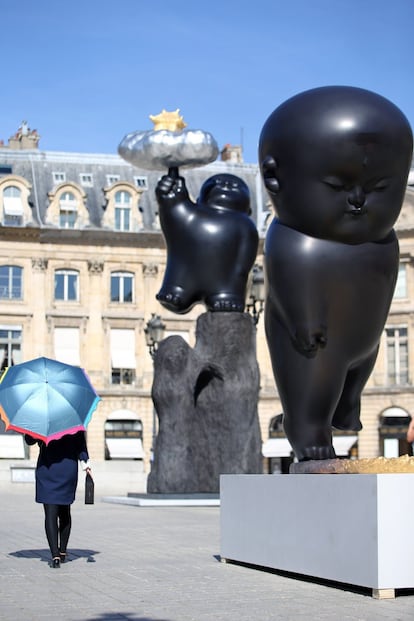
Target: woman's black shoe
<point x="56" y="563"/>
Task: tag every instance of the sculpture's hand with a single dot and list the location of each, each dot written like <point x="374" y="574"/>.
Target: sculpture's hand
<point x="170" y="191"/>
<point x="308" y="340"/>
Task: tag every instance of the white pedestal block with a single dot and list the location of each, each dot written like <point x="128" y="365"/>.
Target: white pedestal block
<point x="350" y="528"/>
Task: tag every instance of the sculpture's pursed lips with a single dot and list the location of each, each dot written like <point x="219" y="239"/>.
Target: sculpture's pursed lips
<point x="356" y="211"/>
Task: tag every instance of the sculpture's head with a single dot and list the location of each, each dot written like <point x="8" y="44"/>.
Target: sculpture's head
<point x="226" y="192"/>
<point x="335" y="161"/>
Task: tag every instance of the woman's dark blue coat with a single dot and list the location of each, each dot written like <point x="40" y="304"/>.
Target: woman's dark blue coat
<point x="57" y="468"/>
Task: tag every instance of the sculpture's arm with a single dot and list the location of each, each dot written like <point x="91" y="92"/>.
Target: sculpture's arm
<point x="296" y="290"/>
<point x="302" y="314"/>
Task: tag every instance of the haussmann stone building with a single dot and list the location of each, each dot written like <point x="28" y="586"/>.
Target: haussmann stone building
<point x="81" y="260"/>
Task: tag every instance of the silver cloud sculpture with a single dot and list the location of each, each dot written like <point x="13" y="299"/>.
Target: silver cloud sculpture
<point x="163" y="148"/>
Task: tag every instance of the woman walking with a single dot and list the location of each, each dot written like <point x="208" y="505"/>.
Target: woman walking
<point x="56" y="481"/>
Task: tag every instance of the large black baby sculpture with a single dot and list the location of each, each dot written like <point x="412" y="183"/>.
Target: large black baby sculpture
<point x="211" y="244"/>
<point x="335" y="162"/>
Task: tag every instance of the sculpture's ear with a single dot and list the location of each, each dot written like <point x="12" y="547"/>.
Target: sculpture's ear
<point x="269" y="167"/>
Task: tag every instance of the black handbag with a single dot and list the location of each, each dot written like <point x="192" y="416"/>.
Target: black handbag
<point x="89" y="489"/>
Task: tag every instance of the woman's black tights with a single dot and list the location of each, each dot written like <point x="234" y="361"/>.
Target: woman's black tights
<point x="58" y="523"/>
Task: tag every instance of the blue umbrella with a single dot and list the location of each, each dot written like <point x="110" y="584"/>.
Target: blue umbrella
<point x="46" y="399"/>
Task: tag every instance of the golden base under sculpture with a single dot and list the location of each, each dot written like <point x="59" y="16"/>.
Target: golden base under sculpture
<point x="379" y="465"/>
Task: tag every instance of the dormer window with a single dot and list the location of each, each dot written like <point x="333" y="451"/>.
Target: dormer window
<point x="141" y="183"/>
<point x="86" y="179"/>
<point x="59" y="177"/>
<point x="67" y="207"/>
<point x="12" y="206"/>
<point x="14" y="201"/>
<point x="111" y="179"/>
<point x="122" y="211"/>
<point x="67" y="210"/>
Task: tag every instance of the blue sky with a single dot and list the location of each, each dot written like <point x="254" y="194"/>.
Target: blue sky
<point x="85" y="73"/>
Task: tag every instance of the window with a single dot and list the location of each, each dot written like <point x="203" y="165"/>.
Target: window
<point x="122" y="211"/>
<point x="10" y="345"/>
<point x="66" y="285"/>
<point x="123" y="363"/>
<point x="6" y="170"/>
<point x="111" y="179"/>
<point x="59" y="177"/>
<point x="10" y="282"/>
<point x="401" y="286"/>
<point x="397" y="355"/>
<point x="141" y="182"/>
<point x="122" y="287"/>
<point x="67" y="206"/>
<point x="122" y="376"/>
<point x="67" y="210"/>
<point x="86" y="179"/>
<point x="12" y="206"/>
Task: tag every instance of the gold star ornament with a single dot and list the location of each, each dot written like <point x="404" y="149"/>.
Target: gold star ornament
<point x="172" y="121"/>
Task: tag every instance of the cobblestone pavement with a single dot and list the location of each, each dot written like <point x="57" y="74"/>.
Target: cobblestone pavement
<point x="155" y="564"/>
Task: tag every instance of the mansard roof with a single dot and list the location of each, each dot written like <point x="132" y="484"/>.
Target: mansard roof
<point x="37" y="167"/>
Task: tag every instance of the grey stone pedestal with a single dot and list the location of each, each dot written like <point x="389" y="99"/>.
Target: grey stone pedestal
<point x="354" y="529"/>
<point x="206" y="401"/>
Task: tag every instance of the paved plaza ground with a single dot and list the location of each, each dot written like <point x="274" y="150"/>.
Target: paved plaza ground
<point x="156" y="564"/>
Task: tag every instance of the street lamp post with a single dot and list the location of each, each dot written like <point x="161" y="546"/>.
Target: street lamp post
<point x="154" y="333"/>
<point x="257" y="293"/>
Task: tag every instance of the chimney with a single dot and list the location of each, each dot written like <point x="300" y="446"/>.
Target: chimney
<point x="24" y="138"/>
<point x="232" y="153"/>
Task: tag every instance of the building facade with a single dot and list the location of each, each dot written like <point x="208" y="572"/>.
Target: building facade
<point x="81" y="260"/>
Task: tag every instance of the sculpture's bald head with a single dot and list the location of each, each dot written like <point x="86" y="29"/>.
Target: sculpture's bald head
<point x="226" y="191"/>
<point x="332" y="112"/>
<point x="342" y="139"/>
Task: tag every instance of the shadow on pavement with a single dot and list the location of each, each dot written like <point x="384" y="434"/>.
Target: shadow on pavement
<point x="122" y="616"/>
<point x="74" y="554"/>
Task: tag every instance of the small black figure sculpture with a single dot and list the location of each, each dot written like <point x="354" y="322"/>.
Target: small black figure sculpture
<point x="335" y="162"/>
<point x="211" y="244"/>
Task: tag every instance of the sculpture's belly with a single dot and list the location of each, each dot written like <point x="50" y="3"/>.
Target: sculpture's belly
<point x="345" y="288"/>
<point x="357" y="309"/>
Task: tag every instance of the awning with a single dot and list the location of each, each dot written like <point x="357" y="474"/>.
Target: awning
<point x="280" y="447"/>
<point x="125" y="448"/>
<point x="343" y="444"/>
<point x="12" y="205"/>
<point x="66" y="342"/>
<point x="68" y="204"/>
<point x="276" y="447"/>
<point x="11" y="446"/>
<point x="123" y="415"/>
<point x="123" y="349"/>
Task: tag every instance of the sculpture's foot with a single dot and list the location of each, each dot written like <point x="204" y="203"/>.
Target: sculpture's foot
<point x="225" y="303"/>
<point x="175" y="300"/>
<point x="315" y="452"/>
